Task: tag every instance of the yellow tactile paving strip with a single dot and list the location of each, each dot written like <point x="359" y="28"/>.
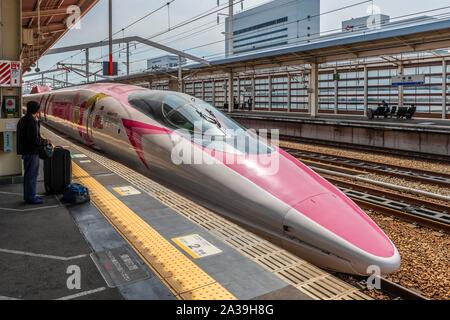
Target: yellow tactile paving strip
<point x="183" y="277"/>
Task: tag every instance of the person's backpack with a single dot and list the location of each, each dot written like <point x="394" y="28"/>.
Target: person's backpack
<point x="76" y="194"/>
<point x="46" y="151"/>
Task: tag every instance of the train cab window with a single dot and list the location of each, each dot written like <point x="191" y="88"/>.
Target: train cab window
<point x="177" y="119"/>
<point x="194" y="116"/>
<point x="185" y="112"/>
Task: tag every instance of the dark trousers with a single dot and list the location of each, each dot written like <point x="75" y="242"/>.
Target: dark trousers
<point x="31" y="167"/>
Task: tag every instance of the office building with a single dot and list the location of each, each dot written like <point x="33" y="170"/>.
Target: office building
<point x="274" y="24"/>
<point x="164" y="62"/>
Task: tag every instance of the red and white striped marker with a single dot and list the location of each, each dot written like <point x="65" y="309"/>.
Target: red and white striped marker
<point x="10" y="74"/>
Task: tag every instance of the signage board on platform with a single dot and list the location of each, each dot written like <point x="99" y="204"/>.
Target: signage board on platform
<point x="411" y="80"/>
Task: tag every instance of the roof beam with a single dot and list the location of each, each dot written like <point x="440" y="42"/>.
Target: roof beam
<point x="405" y="42"/>
<point x="57" y="7"/>
<point x="44" y="13"/>
<point x="52" y="28"/>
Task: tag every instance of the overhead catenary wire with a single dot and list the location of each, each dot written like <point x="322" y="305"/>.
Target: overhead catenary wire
<point x="306" y="39"/>
<point x="220" y="9"/>
<point x="309" y="39"/>
<point x="166" y="4"/>
<point x="209" y="27"/>
<point x="201" y="16"/>
<point x="188" y="21"/>
<point x="333" y="31"/>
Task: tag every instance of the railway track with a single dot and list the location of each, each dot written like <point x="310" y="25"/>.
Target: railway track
<point x="422" y="176"/>
<point x="406" y="207"/>
<point x="387" y="287"/>
<point x="399" y="291"/>
<point x="395" y="204"/>
<point x="379" y="150"/>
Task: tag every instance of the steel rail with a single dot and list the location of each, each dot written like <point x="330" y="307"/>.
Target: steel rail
<point x="423" y="176"/>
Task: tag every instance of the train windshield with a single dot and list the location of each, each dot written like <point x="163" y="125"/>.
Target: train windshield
<point x="201" y="121"/>
<point x="196" y="116"/>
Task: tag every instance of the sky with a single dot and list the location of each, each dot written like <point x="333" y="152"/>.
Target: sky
<point x="94" y="26"/>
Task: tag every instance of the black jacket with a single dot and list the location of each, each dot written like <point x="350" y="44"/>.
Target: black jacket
<point x="29" y="138"/>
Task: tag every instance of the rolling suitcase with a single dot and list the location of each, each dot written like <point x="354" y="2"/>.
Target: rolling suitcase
<point x="58" y="171"/>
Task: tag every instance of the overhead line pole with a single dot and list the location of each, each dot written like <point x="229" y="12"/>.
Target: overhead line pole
<point x="128" y="58"/>
<point x="87" y="65"/>
<point x="110" y="39"/>
<point x="229" y="36"/>
<point x="230" y="33"/>
<point x="128" y="40"/>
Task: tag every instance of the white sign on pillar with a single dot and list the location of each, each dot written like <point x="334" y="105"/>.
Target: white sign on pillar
<point x="7" y="142"/>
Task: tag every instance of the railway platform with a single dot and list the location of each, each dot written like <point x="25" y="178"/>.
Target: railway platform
<point x="428" y="136"/>
<point x="139" y="240"/>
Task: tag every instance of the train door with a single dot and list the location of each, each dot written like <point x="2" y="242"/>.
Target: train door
<point x="90" y="120"/>
<point x="45" y="105"/>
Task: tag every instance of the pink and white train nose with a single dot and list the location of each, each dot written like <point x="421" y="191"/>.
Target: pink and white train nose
<point x="339" y="226"/>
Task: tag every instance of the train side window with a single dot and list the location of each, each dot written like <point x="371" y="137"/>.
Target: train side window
<point x="143" y="106"/>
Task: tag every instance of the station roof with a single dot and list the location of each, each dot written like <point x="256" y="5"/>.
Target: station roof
<point x="346" y="46"/>
<point x="418" y="36"/>
<point x="52" y="15"/>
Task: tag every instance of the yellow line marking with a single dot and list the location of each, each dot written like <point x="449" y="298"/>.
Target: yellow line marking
<point x="188" y="251"/>
<point x="183" y="277"/>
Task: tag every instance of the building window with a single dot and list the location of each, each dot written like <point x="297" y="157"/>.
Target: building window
<point x="262" y="93"/>
<point x="379" y="86"/>
<point x="261" y="26"/>
<point x="263" y="47"/>
<point x="299" y="93"/>
<point x="280" y="92"/>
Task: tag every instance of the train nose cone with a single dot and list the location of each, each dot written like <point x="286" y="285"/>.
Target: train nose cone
<point x="354" y="236"/>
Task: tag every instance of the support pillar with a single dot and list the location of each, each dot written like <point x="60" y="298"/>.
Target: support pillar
<point x="230" y="91"/>
<point x="10" y="50"/>
<point x="253" y="93"/>
<point x="444" y="89"/>
<point x="366" y="91"/>
<point x="336" y="92"/>
<point x="400" y="88"/>
<point x="314" y="89"/>
<point x="270" y="93"/>
<point x="214" y="93"/>
<point x="239" y="90"/>
<point x="289" y="95"/>
<point x="203" y="90"/>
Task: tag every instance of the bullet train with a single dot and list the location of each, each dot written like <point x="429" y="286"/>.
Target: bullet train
<point x="181" y="140"/>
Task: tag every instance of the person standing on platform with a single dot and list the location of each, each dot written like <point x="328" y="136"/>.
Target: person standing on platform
<point x="29" y="142"/>
<point x="250" y="103"/>
<point x="236" y="103"/>
<point x="385" y="106"/>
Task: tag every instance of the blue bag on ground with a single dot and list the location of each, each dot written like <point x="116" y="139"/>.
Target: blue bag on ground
<point x="76" y="194"/>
